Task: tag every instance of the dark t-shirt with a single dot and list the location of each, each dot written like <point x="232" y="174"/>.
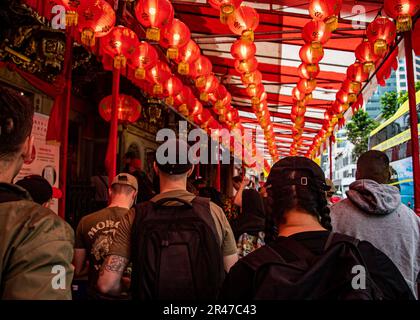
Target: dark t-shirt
<point x="238" y="284"/>
<point x="95" y="234"/>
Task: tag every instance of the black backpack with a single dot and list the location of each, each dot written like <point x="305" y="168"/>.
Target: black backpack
<point x="176" y="253"/>
<point x="307" y="276"/>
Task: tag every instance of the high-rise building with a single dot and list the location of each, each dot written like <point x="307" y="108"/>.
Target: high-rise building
<point x="402" y="75"/>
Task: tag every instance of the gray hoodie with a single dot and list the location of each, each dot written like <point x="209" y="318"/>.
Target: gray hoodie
<point x="374" y="212"/>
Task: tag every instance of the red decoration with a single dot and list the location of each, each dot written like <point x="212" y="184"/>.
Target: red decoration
<point x="129" y="109"/>
<point x="254" y="77"/>
<point x="120" y="44"/>
<point x="143" y="58"/>
<point x="186" y="56"/>
<point x="366" y="55"/>
<point x="402" y="11"/>
<point x="199" y="69"/>
<point x="243" y="22"/>
<point x="246" y="66"/>
<point x="306" y="86"/>
<point x="381" y="32"/>
<point x="356" y="75"/>
<point x="327" y="11"/>
<point x="172" y="88"/>
<point x="310" y="56"/>
<point x="297" y="94"/>
<point x="243" y="50"/>
<point x="255" y="90"/>
<point x="174" y="36"/>
<point x="154" y="15"/>
<point x="315" y="33"/>
<point x="158" y="75"/>
<point x="96" y="18"/>
<point x="210" y="84"/>
<point x="308" y="71"/>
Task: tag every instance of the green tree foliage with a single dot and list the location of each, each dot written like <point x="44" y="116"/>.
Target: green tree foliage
<point x="391" y="101"/>
<point x="358" y="130"/>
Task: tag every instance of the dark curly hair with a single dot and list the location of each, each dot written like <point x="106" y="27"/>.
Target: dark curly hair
<point x="16" y="116"/>
<point x="298" y="183"/>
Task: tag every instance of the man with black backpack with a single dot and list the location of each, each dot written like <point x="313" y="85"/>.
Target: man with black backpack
<point x="307" y="260"/>
<point x="180" y="245"/>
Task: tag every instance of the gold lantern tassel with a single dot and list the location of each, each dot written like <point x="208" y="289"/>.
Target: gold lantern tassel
<point x="204" y="96"/>
<point x="169" y="101"/>
<point x="332" y="23"/>
<point x="157" y="89"/>
<point x="380" y="47"/>
<point x="255" y="100"/>
<point x="312" y="67"/>
<point x="71" y="18"/>
<point x="183" y="68"/>
<point x="200" y="82"/>
<point x="368" y="67"/>
<point x="153" y="34"/>
<point x="172" y="53"/>
<point x="355" y="86"/>
<point x="352" y="97"/>
<point x="316" y="47"/>
<point x="88" y="37"/>
<point x="140" y="73"/>
<point x="248" y="35"/>
<point x="119" y="61"/>
<point x="226" y="11"/>
<point x="404" y="23"/>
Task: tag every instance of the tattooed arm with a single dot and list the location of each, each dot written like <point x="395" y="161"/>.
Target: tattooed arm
<point x="110" y="276"/>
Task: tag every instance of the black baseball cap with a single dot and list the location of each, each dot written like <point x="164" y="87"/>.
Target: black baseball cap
<point x="298" y="171"/>
<point x="38" y="187"/>
<point x="181" y="163"/>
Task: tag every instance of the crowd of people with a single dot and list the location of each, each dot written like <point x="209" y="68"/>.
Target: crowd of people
<point x="285" y="241"/>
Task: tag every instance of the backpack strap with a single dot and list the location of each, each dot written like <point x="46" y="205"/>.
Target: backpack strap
<point x="162" y="201"/>
<point x="202" y="209"/>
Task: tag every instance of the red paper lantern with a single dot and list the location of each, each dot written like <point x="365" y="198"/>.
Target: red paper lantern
<point x="356" y="75"/>
<point x="226" y="7"/>
<point x="366" y="55"/>
<point x="254" y="77"/>
<point x="154" y="15"/>
<point x="246" y="66"/>
<point x="243" y="22"/>
<point x="196" y="108"/>
<point x="129" y="109"/>
<point x="255" y="90"/>
<point x="96" y="18"/>
<point x="310" y="56"/>
<point x="143" y="58"/>
<point x="158" y="75"/>
<point x="243" y="50"/>
<point x="186" y="56"/>
<point x="308" y="71"/>
<point x="327" y="11"/>
<point x="202" y="117"/>
<point x="174" y="36"/>
<point x="120" y="43"/>
<point x="172" y="88"/>
<point x="315" y="33"/>
<point x="402" y="11"/>
<point x="343" y="97"/>
<point x="210" y="84"/>
<point x="298" y="95"/>
<point x="348" y="87"/>
<point x="306" y="86"/>
<point x="381" y="32"/>
<point x="199" y="69"/>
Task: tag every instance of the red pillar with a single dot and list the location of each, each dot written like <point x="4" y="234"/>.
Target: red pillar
<point x="331" y="161"/>
<point x="68" y="60"/>
<point x="111" y="160"/>
<point x="413" y="119"/>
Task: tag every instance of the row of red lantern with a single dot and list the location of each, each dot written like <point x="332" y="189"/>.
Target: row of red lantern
<point x="315" y="34"/>
<point x="380" y="34"/>
<point x="243" y="21"/>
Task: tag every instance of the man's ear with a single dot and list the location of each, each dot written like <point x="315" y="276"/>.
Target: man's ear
<point x="190" y="171"/>
<point x="27" y="147"/>
<point x="155" y="168"/>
